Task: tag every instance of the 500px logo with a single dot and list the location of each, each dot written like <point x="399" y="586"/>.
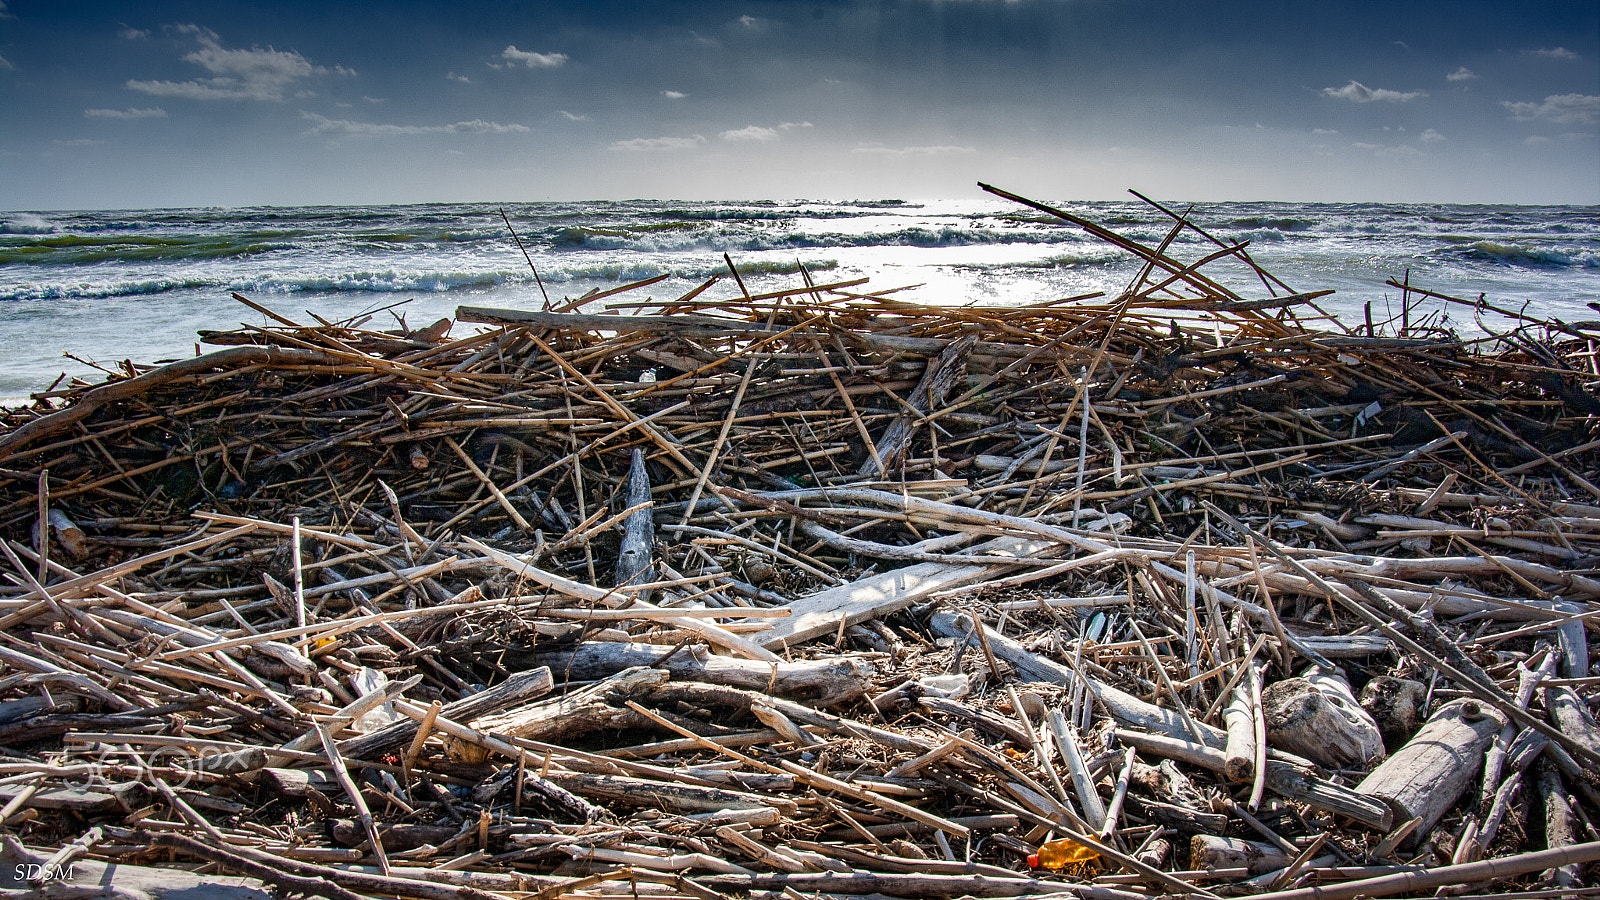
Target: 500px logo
<point x="175" y="766"/>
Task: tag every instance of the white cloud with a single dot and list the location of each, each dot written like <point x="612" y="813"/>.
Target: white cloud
<point x="1356" y="92"/>
<point x="253" y="74"/>
<point x="1323" y="131"/>
<point x="78" y="142"/>
<point x="3" y="13"/>
<point x="1533" y="140"/>
<point x="1561" y="109"/>
<point x="1461" y="74"/>
<point x="461" y="78"/>
<point x="660" y="143"/>
<point x="154" y="112"/>
<point x="674" y="95"/>
<point x="751" y="133"/>
<point x="1557" y="53"/>
<point x="902" y="152"/>
<point x="788" y="125"/>
<point x="534" y="60"/>
<point x="1431" y="137"/>
<point x="129" y="33"/>
<point x="753" y="23"/>
<point x="1402" y="151"/>
<point x="5" y="64"/>
<point x="573" y="117"/>
<point x="325" y="125"/>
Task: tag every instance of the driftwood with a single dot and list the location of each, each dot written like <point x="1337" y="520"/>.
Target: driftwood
<point x="1317" y="716"/>
<point x="822" y="682"/>
<point x="592" y="708"/>
<point x="1426" y="776"/>
<point x="854" y="585"/>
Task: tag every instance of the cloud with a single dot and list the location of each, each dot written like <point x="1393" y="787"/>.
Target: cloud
<point x="573" y="117"/>
<point x="903" y="152"/>
<point x="5" y="64"/>
<point x="1561" y="109"/>
<point x="1556" y="53"/>
<point x="1461" y="74"/>
<point x="674" y="95"/>
<point x="461" y="78"/>
<point x="660" y="143"/>
<point x="1323" y="131"/>
<point x="3" y="13"/>
<point x="129" y="33"/>
<point x="1356" y="92"/>
<point x="788" y="125"/>
<point x="534" y="60"/>
<point x="154" y="112"/>
<point x="78" y="142"/>
<point x="345" y="127"/>
<point x="253" y="74"/>
<point x="753" y="23"/>
<point x="1402" y="151"/>
<point x="1431" y="137"/>
<point x="1533" y="140"/>
<point x="751" y="133"/>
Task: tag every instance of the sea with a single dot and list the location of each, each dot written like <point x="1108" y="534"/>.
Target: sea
<point x="83" y="290"/>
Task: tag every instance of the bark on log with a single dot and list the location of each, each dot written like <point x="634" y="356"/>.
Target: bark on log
<point x="1560" y="823"/>
<point x="1240" y="717"/>
<point x="638" y="529"/>
<point x="1569" y="713"/>
<point x="821" y="682"/>
<point x="1425" y="778"/>
<point x="1211" y="852"/>
<point x="1317" y="716"/>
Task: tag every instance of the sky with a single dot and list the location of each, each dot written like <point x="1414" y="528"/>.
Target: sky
<point x="170" y="103"/>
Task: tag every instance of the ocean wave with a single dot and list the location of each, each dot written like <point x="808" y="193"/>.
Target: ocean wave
<point x="77" y="249"/>
<point x="1529" y="256"/>
<point x="1271" y="223"/>
<point x="661" y="239"/>
<point x="27" y="223"/>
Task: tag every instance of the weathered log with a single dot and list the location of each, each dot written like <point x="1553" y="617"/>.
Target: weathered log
<point x="1569" y="713"/>
<point x="828" y="610"/>
<point x="822" y="682"/>
<point x="943" y="371"/>
<point x="1560" y="822"/>
<point x="1283" y="778"/>
<point x="638" y="529"/>
<point x="1425" y="778"/>
<point x="667" y="796"/>
<point x="519" y="688"/>
<point x="1317" y="716"/>
<point x="1211" y="852"/>
<point x="1240" y="717"/>
<point x="594" y="707"/>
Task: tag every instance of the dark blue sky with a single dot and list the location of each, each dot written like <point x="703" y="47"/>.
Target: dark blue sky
<point x="232" y="103"/>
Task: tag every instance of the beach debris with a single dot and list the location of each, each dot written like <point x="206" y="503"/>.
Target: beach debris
<point x="818" y="592"/>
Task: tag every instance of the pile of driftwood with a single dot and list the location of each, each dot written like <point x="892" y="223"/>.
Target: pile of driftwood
<point x="815" y="592"/>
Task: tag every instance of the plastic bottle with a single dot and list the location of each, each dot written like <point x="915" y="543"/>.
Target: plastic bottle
<point x="1060" y="854"/>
